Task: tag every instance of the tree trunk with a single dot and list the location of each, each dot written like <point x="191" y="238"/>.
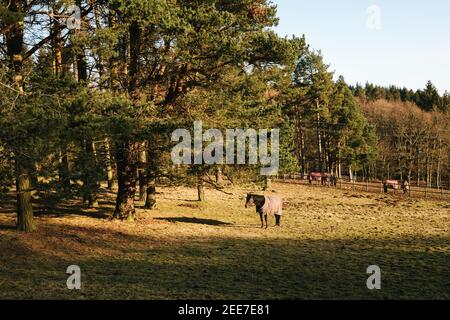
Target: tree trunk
<point x="127" y="164"/>
<point x="114" y="66"/>
<point x="57" y="45"/>
<point x="64" y="171"/>
<point x="267" y="183"/>
<point x="143" y="187"/>
<point x="438" y="169"/>
<point x="90" y="184"/>
<point x="134" y="68"/>
<point x="303" y="151"/>
<point x="319" y="141"/>
<point x="300" y="141"/>
<point x="109" y="167"/>
<point x="339" y="170"/>
<point x="219" y="177"/>
<point x="128" y="152"/>
<point x="25" y="220"/>
<point x="201" y="188"/>
<point x="143" y="176"/>
<point x="427" y="168"/>
<point x="100" y="64"/>
<point x="150" y="202"/>
<point x="14" y="51"/>
<point x="80" y="58"/>
<point x="418" y="167"/>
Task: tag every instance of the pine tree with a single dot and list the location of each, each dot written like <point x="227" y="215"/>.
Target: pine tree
<point x="428" y="99"/>
<point x="312" y="74"/>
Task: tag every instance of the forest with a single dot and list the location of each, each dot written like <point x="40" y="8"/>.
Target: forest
<point x="91" y="93"/>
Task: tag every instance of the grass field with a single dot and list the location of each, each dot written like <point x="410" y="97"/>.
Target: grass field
<point x="184" y="250"/>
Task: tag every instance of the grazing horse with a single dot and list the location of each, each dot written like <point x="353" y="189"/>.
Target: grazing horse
<point x="405" y="186"/>
<point x="324" y="179"/>
<point x="266" y="205"/>
<point x="390" y="184"/>
<point x="315" y="176"/>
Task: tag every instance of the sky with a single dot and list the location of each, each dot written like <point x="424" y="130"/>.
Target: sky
<point x="399" y="42"/>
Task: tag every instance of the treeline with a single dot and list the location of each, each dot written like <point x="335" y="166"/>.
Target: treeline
<point x="413" y="144"/>
<point x="413" y="133"/>
<point x="427" y="99"/>
<point x="79" y="106"/>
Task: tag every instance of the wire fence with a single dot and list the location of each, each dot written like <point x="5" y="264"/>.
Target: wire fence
<point x="370" y="187"/>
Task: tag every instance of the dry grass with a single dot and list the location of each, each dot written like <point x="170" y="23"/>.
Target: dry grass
<point x="185" y="250"/>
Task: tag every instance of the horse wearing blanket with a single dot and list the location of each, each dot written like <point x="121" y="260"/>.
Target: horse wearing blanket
<point x="266" y="205"/>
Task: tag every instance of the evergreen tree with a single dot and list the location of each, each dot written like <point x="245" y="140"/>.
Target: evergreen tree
<point x="312" y="75"/>
<point x="428" y="99"/>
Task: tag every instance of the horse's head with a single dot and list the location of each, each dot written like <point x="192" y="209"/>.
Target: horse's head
<point x="250" y="201"/>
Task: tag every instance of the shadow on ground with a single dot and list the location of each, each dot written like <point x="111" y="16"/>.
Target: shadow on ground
<point x="208" y="222"/>
<point x="52" y="205"/>
<point x="7" y="227"/>
<point x="118" y="265"/>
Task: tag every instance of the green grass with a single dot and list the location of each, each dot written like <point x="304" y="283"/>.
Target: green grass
<point x="216" y="251"/>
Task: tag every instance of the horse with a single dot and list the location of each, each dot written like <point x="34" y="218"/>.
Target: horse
<point x="394" y="184"/>
<point x="266" y="205"/>
<point x="325" y="179"/>
<point x="405" y="187"/>
<point x="315" y="176"/>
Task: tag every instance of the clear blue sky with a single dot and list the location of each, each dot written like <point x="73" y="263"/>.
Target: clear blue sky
<point x="409" y="46"/>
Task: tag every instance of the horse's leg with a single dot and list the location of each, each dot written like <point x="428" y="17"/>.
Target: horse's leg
<point x="278" y="219"/>
<point x="267" y="224"/>
<point x="262" y="221"/>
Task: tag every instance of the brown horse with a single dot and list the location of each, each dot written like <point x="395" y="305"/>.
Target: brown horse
<point x="324" y="179"/>
<point x="393" y="184"/>
<point x="266" y="205"/>
<point x="315" y="176"/>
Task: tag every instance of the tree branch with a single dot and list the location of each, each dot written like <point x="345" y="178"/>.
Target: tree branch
<point x="39" y="45"/>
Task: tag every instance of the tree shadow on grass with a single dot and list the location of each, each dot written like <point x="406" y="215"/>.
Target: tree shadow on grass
<point x="8" y="203"/>
<point x="176" y="198"/>
<point x="7" y="228"/>
<point x="119" y="265"/>
<point x="208" y="222"/>
<point x="79" y="211"/>
<point x="69" y="208"/>
<point x="248" y="226"/>
<point x="222" y="267"/>
<point x="52" y="205"/>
